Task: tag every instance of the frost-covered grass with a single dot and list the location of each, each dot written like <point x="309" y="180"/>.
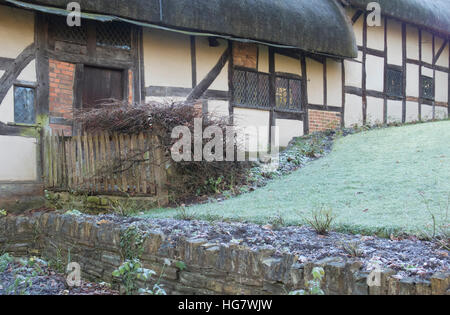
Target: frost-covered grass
<point x="371" y="180"/>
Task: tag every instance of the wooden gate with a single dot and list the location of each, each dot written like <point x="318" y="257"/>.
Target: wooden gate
<point x="105" y="163"/>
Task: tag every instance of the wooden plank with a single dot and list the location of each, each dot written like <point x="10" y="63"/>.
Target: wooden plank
<point x="73" y="162"/>
<point x="55" y="162"/>
<point x="142" y="168"/>
<point x="135" y="169"/>
<point x="102" y="158"/>
<point x="80" y="162"/>
<point x="117" y="155"/>
<point x="86" y="167"/>
<point x="123" y="156"/>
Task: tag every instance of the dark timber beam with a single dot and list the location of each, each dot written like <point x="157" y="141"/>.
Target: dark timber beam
<point x="14" y="70"/>
<point x="201" y="88"/>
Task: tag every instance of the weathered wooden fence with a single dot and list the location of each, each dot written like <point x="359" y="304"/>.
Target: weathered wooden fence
<point x="105" y="163"/>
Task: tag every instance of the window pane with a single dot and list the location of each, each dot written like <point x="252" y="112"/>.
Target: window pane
<point x="288" y="94"/>
<point x="251" y="89"/>
<point x="394" y="83"/>
<point x="117" y="35"/>
<point x="24" y="111"/>
<point x="427" y="88"/>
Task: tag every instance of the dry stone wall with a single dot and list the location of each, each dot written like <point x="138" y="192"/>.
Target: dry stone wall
<point x="210" y="268"/>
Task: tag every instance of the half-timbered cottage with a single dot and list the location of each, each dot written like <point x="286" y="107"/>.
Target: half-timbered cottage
<point x="300" y="65"/>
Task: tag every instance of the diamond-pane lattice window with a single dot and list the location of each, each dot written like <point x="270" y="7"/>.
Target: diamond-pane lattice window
<point x="288" y="94"/>
<point x="24" y="109"/>
<point x="394" y="82"/>
<point x="251" y="88"/>
<point x="117" y="35"/>
<point x="427" y="87"/>
<point x="62" y="32"/>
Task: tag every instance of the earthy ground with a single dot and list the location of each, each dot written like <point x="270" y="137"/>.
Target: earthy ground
<point x="409" y="257"/>
<point x="32" y="276"/>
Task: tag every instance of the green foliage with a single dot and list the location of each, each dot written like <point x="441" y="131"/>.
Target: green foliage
<point x="132" y="243"/>
<point x="320" y="220"/>
<point x="180" y="265"/>
<point x="5" y="260"/>
<point x="314" y="286"/>
<point x="130" y="272"/>
<point x="3" y="213"/>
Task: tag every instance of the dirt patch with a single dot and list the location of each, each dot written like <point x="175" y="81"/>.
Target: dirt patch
<point x="409" y="257"/>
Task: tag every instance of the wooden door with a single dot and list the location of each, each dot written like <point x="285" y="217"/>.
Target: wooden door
<point x="101" y="85"/>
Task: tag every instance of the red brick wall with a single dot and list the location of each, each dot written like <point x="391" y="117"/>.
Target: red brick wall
<point x="322" y="120"/>
<point x="62" y="76"/>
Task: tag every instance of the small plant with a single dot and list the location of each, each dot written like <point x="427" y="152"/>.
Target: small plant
<point x="321" y="220"/>
<point x="3" y="213"/>
<point x="314" y="286"/>
<point x="352" y="248"/>
<point x="184" y="215"/>
<point x="5" y="260"/>
<point x="132" y="243"/>
<point x="126" y="207"/>
<point x="277" y="222"/>
<point x="440" y="227"/>
<point x="132" y="271"/>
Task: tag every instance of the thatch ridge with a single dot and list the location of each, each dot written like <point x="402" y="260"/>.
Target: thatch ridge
<point x="432" y="14"/>
<point x="317" y="26"/>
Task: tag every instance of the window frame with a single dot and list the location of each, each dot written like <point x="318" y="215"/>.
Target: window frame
<point x="30" y="87"/>
<point x="389" y="87"/>
<point x="422" y="90"/>
<point x="271" y="76"/>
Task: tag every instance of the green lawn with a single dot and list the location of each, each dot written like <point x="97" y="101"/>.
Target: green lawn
<point x="371" y="181"/>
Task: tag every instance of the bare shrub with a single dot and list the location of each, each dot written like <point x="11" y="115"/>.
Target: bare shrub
<point x="189" y="177"/>
<point x="321" y="220"/>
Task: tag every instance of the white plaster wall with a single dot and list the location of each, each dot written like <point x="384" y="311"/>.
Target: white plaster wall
<point x="375" y="36"/>
<point x="289" y="129"/>
<point x="16" y="31"/>
<point x="427" y="72"/>
<point x="353" y="110"/>
<point x="412" y="80"/>
<point x="18" y="158"/>
<point x="218" y="108"/>
<point x="375" y="73"/>
<point x="441" y="112"/>
<point x="164" y="100"/>
<point x="207" y="58"/>
<point x="412" y="111"/>
<point x="443" y="59"/>
<point x="167" y="59"/>
<point x="288" y="65"/>
<point x="394" y="43"/>
<point x="334" y="83"/>
<point x="263" y="59"/>
<point x="7" y="107"/>
<point x="427" y="47"/>
<point x="314" y="73"/>
<point x="394" y="111"/>
<point x="29" y="73"/>
<point x="353" y="73"/>
<point x="441" y="86"/>
<point x="412" y="42"/>
<point x="358" y="29"/>
<point x="255" y="118"/>
<point x="375" y="111"/>
<point x="427" y="112"/>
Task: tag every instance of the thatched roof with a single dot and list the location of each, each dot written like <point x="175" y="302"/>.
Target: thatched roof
<point x="432" y="14"/>
<point x="317" y="26"/>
